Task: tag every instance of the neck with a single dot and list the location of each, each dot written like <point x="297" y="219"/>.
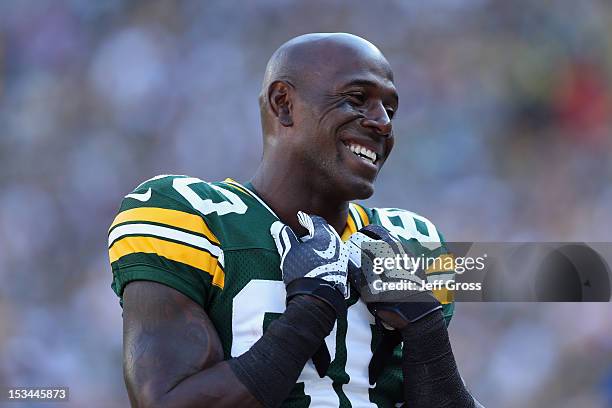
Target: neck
<point x="287" y="193"/>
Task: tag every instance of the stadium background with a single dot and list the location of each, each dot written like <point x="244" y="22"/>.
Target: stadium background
<point x="503" y="134"/>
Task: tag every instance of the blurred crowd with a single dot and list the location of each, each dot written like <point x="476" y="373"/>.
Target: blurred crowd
<point x="503" y="134"/>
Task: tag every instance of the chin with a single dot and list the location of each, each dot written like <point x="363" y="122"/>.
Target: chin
<point x="360" y="190"/>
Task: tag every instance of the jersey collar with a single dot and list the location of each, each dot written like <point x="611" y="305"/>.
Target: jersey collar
<point x="357" y="218"/>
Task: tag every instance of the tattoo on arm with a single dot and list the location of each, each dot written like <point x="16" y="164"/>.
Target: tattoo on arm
<point x="172" y="353"/>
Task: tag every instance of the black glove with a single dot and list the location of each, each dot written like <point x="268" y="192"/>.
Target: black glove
<point x="392" y="308"/>
<point x="314" y="265"/>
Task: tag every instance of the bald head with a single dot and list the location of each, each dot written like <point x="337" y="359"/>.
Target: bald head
<point x="305" y="56"/>
<point x="327" y="102"/>
<point x="307" y="59"/>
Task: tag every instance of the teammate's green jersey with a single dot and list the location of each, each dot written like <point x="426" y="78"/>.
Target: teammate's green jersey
<point x="212" y="242"/>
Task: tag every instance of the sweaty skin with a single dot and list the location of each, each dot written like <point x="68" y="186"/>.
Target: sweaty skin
<point x="320" y="92"/>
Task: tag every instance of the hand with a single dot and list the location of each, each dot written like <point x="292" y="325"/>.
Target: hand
<point x="319" y="256"/>
<point x="393" y="309"/>
<point x="314" y="265"/>
<point x="397" y="307"/>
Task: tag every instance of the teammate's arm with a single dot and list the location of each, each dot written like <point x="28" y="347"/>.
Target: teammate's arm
<point x="172" y="356"/>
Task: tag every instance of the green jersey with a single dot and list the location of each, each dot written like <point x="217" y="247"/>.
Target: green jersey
<point x="212" y="242"/>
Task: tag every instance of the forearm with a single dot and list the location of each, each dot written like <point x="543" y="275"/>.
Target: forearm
<point x="271" y="367"/>
<point x="216" y="386"/>
<point x="277" y="359"/>
<point x="172" y="353"/>
<point x="431" y="378"/>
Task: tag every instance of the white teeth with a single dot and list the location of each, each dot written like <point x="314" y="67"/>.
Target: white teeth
<point x="363" y="152"/>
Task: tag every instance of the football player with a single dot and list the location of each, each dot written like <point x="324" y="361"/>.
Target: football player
<point x="237" y="295"/>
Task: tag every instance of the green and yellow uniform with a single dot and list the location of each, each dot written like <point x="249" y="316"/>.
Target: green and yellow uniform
<point x="212" y="242"/>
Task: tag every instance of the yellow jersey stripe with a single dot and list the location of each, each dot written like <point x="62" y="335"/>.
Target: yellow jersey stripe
<point x="362" y="214"/>
<point x="234" y="183"/>
<point x="355" y="215"/>
<point x="349" y="230"/>
<point x="444" y="295"/>
<point x="172" y="218"/>
<point x="159" y="231"/>
<point x="252" y="194"/>
<point x="171" y="250"/>
<point x="443" y="263"/>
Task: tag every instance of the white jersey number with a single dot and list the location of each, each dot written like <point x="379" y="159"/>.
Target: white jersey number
<point x="233" y="203"/>
<point x="259" y="297"/>
<point x="408" y="230"/>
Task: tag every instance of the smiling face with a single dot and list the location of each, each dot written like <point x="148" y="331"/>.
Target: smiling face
<point x="343" y="113"/>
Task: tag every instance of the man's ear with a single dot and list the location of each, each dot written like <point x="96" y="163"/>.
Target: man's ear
<point x="279" y="98"/>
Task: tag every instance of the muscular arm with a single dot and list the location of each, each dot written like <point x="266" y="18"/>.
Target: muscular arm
<point x="172" y="355"/>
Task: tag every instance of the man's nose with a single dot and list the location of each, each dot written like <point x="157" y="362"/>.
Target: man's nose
<point x="378" y="120"/>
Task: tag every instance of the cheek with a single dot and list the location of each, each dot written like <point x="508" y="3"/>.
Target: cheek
<point x="335" y="117"/>
<point x="389" y="146"/>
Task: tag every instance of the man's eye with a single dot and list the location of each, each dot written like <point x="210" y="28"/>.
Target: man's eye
<point x="390" y="113"/>
<point x="357" y="98"/>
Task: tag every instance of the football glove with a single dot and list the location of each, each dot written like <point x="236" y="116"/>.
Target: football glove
<point x="320" y="255"/>
<point x="401" y="306"/>
<point x="314" y="265"/>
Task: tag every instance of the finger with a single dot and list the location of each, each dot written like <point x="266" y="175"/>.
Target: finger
<point x="383" y="249"/>
<point x="357" y="243"/>
<point x="288" y="237"/>
<point x="354" y="248"/>
<point x="283" y="237"/>
<point x="321" y="226"/>
<point x="306" y="222"/>
<point x="363" y="272"/>
<point x="375" y="232"/>
<point x="381" y="233"/>
<point x="316" y="226"/>
<point x="275" y="230"/>
<point x="379" y="240"/>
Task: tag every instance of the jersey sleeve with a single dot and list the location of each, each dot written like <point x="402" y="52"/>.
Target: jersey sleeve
<point x="157" y="236"/>
<point x="409" y="228"/>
